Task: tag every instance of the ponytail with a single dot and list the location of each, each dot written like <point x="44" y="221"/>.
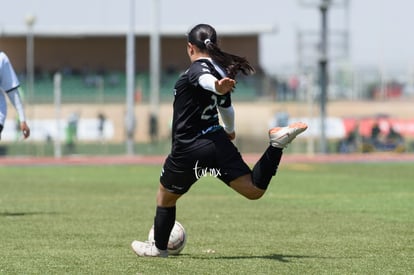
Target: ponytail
<point x="205" y="38"/>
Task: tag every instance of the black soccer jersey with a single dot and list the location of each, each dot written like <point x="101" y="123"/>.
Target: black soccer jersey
<point x="195" y="109"/>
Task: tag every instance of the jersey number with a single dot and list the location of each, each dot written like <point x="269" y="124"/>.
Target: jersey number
<point x="207" y="112"/>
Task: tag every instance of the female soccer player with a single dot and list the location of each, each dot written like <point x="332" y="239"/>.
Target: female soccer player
<point x="200" y="143"/>
<point x="9" y="85"/>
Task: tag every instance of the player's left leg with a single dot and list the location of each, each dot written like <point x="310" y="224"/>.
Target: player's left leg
<point x="165" y="215"/>
<point x="163" y="223"/>
<point x="175" y="180"/>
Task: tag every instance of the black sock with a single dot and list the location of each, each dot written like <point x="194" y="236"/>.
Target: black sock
<point x="163" y="224"/>
<point x="266" y="167"/>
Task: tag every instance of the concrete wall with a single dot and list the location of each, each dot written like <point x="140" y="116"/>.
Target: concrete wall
<point x="252" y="119"/>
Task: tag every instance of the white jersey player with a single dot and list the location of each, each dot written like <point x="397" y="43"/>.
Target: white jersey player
<point x="9" y="85"/>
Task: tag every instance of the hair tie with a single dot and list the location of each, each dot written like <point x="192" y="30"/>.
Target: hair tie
<point x="207" y="41"/>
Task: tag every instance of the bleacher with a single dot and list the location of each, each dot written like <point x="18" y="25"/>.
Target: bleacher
<point x="111" y="88"/>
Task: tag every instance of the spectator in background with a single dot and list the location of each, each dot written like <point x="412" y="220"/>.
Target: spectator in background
<point x="350" y="143"/>
<point x="394" y="140"/>
<point x="72" y="132"/>
<point x="375" y="135"/>
<point x="9" y="85"/>
<point x="293" y="86"/>
<point x="394" y="136"/>
<point x="153" y="128"/>
<point x="101" y="125"/>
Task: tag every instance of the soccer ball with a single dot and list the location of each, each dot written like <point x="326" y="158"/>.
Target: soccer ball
<point x="177" y="240"/>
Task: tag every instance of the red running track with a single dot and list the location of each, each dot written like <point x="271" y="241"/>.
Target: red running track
<point x="158" y="160"/>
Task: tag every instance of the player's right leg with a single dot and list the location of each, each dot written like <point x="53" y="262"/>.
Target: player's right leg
<point x="254" y="185"/>
<point x="280" y="137"/>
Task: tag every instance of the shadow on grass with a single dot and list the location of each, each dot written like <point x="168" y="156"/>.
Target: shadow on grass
<point x="278" y="257"/>
<point x="19" y="214"/>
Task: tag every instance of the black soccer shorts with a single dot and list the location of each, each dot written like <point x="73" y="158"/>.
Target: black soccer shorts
<point x="215" y="156"/>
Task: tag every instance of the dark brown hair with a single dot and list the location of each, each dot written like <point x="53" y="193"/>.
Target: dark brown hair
<point x="204" y="37"/>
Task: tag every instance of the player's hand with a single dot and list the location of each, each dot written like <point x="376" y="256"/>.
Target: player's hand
<point x="231" y="135"/>
<point x="225" y="85"/>
<point x="25" y="129"/>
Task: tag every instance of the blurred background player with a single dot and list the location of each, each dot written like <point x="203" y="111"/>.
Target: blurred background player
<point x="200" y="143"/>
<point x="9" y="85"/>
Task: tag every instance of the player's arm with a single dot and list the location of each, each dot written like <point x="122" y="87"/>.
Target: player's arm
<point x="3" y="111"/>
<point x="211" y="83"/>
<point x="227" y="115"/>
<point x="15" y="99"/>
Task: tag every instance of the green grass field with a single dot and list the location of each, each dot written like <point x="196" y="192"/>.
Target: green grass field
<point x="314" y="219"/>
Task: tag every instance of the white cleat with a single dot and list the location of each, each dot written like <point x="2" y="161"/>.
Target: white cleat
<point x="148" y="249"/>
<point x="280" y="137"/>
